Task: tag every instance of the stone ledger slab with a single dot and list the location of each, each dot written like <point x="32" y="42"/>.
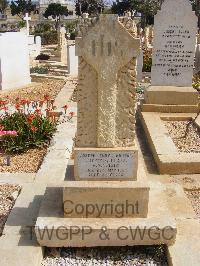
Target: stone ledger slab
<point x="106" y="164"/>
<point x="100" y="199"/>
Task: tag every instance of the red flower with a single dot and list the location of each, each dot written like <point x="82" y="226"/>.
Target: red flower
<point x="71" y="114"/>
<point x="34" y="129"/>
<point x="46" y="97"/>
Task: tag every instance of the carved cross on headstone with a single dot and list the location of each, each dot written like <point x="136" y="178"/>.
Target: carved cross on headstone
<point x="107" y="47"/>
<point x="27" y="19"/>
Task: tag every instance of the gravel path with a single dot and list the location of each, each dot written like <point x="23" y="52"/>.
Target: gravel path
<point x="35" y="92"/>
<point x="28" y="162"/>
<point x="177" y="130"/>
<point x="108" y="256"/>
<point x="194" y="197"/>
<point x="8" y="195"/>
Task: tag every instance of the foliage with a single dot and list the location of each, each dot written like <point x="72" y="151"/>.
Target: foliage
<point x="71" y="26"/>
<point x="33" y="128"/>
<point x="20" y="7"/>
<point x="92" y="7"/>
<point x="21" y="24"/>
<point x="196" y="82"/>
<point x="40" y="70"/>
<point x="42" y="28"/>
<point x="56" y="10"/>
<point x="43" y="57"/>
<point x="73" y="35"/>
<point x="3" y="5"/>
<point x="147" y="61"/>
<point x="50" y="37"/>
<point x="147" y="8"/>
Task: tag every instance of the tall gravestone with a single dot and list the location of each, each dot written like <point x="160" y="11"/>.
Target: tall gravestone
<point x="175" y="27"/>
<point x="106" y="100"/>
<point x="110" y="191"/>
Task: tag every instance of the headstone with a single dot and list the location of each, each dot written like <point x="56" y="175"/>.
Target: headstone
<point x="139" y="66"/>
<point x="107" y="62"/>
<point x="27" y="19"/>
<point x="72" y="60"/>
<point x="14" y="60"/>
<point x="175" y="27"/>
<point x="197" y="59"/>
<point x="62" y="46"/>
<point x="174" y="44"/>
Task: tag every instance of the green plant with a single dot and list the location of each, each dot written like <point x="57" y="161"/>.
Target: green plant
<point x="43" y="57"/>
<point x="42" y="28"/>
<point x="50" y="37"/>
<point x="33" y="128"/>
<point x="36" y="134"/>
<point x="40" y="70"/>
<point x="56" y="11"/>
<point x="21" y="24"/>
<point x="147" y="61"/>
<point x="20" y="7"/>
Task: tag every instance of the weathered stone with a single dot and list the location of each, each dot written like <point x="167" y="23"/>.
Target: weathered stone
<point x="53" y="230"/>
<point x="100" y="199"/>
<point x="106" y="95"/>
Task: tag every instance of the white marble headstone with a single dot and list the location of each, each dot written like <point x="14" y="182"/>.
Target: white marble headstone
<point x="14" y="60"/>
<point x="175" y="27"/>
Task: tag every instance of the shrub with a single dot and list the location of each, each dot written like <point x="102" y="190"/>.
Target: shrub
<point x="42" y="28"/>
<point x="40" y="70"/>
<point x="147" y="61"/>
<point x="33" y="128"/>
<point x="49" y="37"/>
<point x="43" y="57"/>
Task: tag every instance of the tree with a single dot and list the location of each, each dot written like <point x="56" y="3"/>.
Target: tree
<point x="56" y="11"/>
<point x="3" y="6"/>
<point x="92" y="7"/>
<point x="20" y="7"/>
<point x="147" y="8"/>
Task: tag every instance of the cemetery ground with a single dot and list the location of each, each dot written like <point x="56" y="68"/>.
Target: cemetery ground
<point x="182" y="192"/>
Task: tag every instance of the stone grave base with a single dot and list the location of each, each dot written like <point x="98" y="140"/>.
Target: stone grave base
<point x="53" y="230"/>
<point x="170" y="99"/>
<point x="168" y="159"/>
<point x="111" y="199"/>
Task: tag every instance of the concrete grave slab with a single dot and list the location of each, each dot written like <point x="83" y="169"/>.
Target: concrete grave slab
<point x="168" y="159"/>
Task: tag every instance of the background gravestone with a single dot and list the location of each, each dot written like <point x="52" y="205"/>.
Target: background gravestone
<point x="14" y="60"/>
<point x="174" y="44"/>
<point x="173" y="55"/>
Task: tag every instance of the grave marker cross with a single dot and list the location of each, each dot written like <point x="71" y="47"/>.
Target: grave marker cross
<point x="107" y="47"/>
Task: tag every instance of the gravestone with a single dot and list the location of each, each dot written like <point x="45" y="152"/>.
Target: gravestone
<point x="62" y="45"/>
<point x="72" y="59"/>
<point x="27" y="19"/>
<point x="175" y="30"/>
<point x="110" y="191"/>
<point x="106" y="116"/>
<point x="14" y="60"/>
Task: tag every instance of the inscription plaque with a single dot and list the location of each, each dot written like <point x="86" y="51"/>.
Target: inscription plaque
<point x="106" y="164"/>
<point x="174" y="45"/>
